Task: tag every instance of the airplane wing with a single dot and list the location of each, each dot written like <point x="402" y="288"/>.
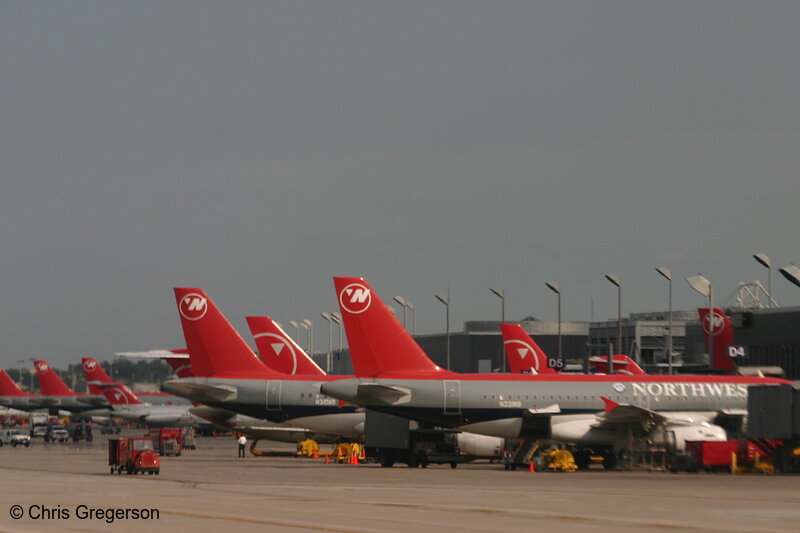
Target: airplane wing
<point x="616" y="413"/>
<point x="97" y="401"/>
<point x="45" y="401"/>
<point x="549" y="410"/>
<point x="384" y="393"/>
<point x="153" y="354"/>
<point x="199" y="392"/>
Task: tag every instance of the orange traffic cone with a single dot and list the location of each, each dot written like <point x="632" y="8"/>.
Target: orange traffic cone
<point x="315" y="455"/>
<point x="531" y="468"/>
<point x="326" y="459"/>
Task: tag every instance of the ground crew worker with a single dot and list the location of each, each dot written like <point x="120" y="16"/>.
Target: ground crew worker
<point x="242" y="442"/>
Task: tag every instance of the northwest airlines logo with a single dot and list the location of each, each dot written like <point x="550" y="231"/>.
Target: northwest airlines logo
<point x="42" y="367"/>
<point x="523" y="351"/>
<point x="120" y="398"/>
<point x="193" y="306"/>
<point x="717" y="323"/>
<point x="355" y="298"/>
<point x="90" y="365"/>
<point x="279" y="345"/>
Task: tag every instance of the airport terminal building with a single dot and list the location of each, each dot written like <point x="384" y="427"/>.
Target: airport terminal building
<point x="771" y="337"/>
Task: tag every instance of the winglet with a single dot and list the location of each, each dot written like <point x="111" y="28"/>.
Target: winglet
<point x="610" y="405"/>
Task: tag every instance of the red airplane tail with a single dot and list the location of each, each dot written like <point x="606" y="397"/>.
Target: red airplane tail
<point x="119" y="394"/>
<point x="94" y="373"/>
<point x="622" y="365"/>
<point x="215" y="347"/>
<point x="277" y="349"/>
<point x="379" y="344"/>
<point x="49" y="382"/>
<point x="8" y="387"/>
<point x="523" y="354"/>
<point x="180" y="363"/>
<point x="722" y="330"/>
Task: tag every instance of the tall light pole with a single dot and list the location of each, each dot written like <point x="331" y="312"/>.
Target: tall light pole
<point x="329" y="319"/>
<point x="296" y="327"/>
<point x="500" y="293"/>
<point x="557" y="289"/>
<point x="704" y="287"/>
<point x="402" y="302"/>
<point x="614" y="279"/>
<point x="306" y="323"/>
<point x="446" y="301"/>
<point x="338" y="319"/>
<point x="664" y="271"/>
<point x="766" y="262"/>
<point x="792" y="273"/>
<point x="413" y="317"/>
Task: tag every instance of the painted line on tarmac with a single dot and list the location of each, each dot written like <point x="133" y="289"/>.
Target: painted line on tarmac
<point x="263" y="522"/>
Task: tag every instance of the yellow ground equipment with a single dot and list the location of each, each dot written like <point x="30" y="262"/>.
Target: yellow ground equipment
<point x="307" y="448"/>
<point x="559" y="461"/>
<point x="348" y="452"/>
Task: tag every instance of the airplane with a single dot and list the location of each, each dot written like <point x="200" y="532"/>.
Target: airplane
<point x="255" y="428"/>
<point x="524" y="356"/>
<point x="230" y="376"/>
<point x="622" y="365"/>
<point x="596" y="412"/>
<point x="127" y="406"/>
<point x="178" y="360"/>
<point x="13" y="397"/>
<point x="278" y="350"/>
<point x="719" y="325"/>
<point x="95" y="376"/>
<point x="57" y="395"/>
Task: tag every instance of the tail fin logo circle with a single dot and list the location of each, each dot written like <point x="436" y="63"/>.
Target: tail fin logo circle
<point x="523" y="352"/>
<point x="89" y="365"/>
<point x="278" y="347"/>
<point x="119" y="396"/>
<point x="42" y="367"/>
<point x="355" y="298"/>
<point x="193" y="306"/>
<point x="713" y="323"/>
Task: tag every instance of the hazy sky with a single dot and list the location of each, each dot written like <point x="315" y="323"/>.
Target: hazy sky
<point x="256" y="149"/>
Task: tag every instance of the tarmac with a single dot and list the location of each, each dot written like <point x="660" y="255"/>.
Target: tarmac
<point x="210" y="489"/>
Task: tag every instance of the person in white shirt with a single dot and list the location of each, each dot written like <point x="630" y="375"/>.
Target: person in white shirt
<point x="242" y="442"/>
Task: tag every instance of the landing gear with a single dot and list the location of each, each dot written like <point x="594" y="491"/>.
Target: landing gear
<point x="583" y="459"/>
<point x="609" y="460"/>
